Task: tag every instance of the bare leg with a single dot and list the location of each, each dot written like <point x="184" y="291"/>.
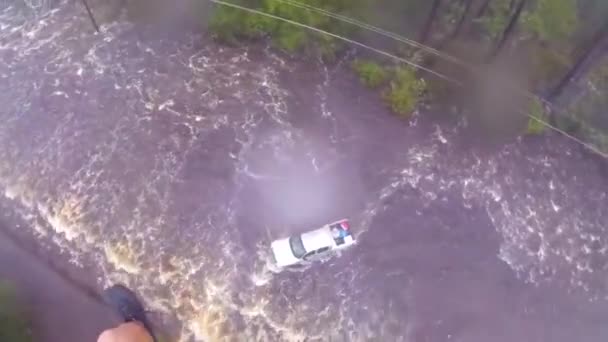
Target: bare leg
<point x="126" y="332"/>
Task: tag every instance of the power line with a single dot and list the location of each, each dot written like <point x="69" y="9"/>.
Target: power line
<point x="378" y="30"/>
<point x="408" y="41"/>
<point x="587" y="145"/>
<point x="449" y="58"/>
<point x="91" y="17"/>
<point x="395" y="36"/>
<point x="348" y="40"/>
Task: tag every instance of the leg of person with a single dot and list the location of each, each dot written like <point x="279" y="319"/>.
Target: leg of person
<point x="136" y="327"/>
<point x="126" y="332"/>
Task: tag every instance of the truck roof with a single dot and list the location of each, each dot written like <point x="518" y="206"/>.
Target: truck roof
<point x="318" y="238"/>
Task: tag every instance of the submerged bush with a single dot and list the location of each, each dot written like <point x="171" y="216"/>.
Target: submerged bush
<point x="405" y="91"/>
<point x="370" y="73"/>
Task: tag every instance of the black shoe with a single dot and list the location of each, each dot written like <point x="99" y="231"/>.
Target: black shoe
<point x="126" y="304"/>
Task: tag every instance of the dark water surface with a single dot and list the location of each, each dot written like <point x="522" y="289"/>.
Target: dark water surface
<point x="169" y="163"/>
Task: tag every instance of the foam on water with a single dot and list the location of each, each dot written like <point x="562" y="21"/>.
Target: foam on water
<point x="77" y="209"/>
<point x="145" y="157"/>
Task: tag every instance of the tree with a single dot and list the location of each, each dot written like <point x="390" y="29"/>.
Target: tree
<point x="428" y="25"/>
<point x="460" y="24"/>
<point x="509" y="30"/>
<point x="552" y="21"/>
<point x="468" y="5"/>
<point x="482" y="9"/>
<point x="588" y="60"/>
<point x="549" y="32"/>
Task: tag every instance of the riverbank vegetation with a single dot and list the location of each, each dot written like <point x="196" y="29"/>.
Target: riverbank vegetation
<point x="370" y="73"/>
<point x="555" y="49"/>
<point x="551" y="53"/>
<point x="405" y="91"/>
<point x="537" y="117"/>
<point x="230" y="25"/>
<point x="402" y="90"/>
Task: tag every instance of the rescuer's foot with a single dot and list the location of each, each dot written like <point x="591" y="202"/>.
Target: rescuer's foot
<point x="127" y="305"/>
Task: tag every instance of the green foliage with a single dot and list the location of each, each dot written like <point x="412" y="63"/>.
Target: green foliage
<point x="370" y="73"/>
<point x="227" y="24"/>
<point x="598" y="138"/>
<point x="13" y="325"/>
<point x="537" y="112"/>
<point x="546" y="66"/>
<point x="496" y="18"/>
<point x="588" y="116"/>
<point x="290" y="38"/>
<point x="230" y="24"/>
<point x="552" y="20"/>
<point x="548" y="20"/>
<point x="448" y="18"/>
<point x="569" y="123"/>
<point x="405" y="91"/>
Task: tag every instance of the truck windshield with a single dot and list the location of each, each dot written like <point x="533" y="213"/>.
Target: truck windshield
<point x="297" y="247"/>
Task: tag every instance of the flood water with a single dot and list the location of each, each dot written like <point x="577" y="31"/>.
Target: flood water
<point x="169" y="163"/>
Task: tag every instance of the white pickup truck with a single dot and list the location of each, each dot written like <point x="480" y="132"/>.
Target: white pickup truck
<point x="314" y="245"/>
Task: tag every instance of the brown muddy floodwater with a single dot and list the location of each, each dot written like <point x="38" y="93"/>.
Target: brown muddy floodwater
<point x="169" y="163"/>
